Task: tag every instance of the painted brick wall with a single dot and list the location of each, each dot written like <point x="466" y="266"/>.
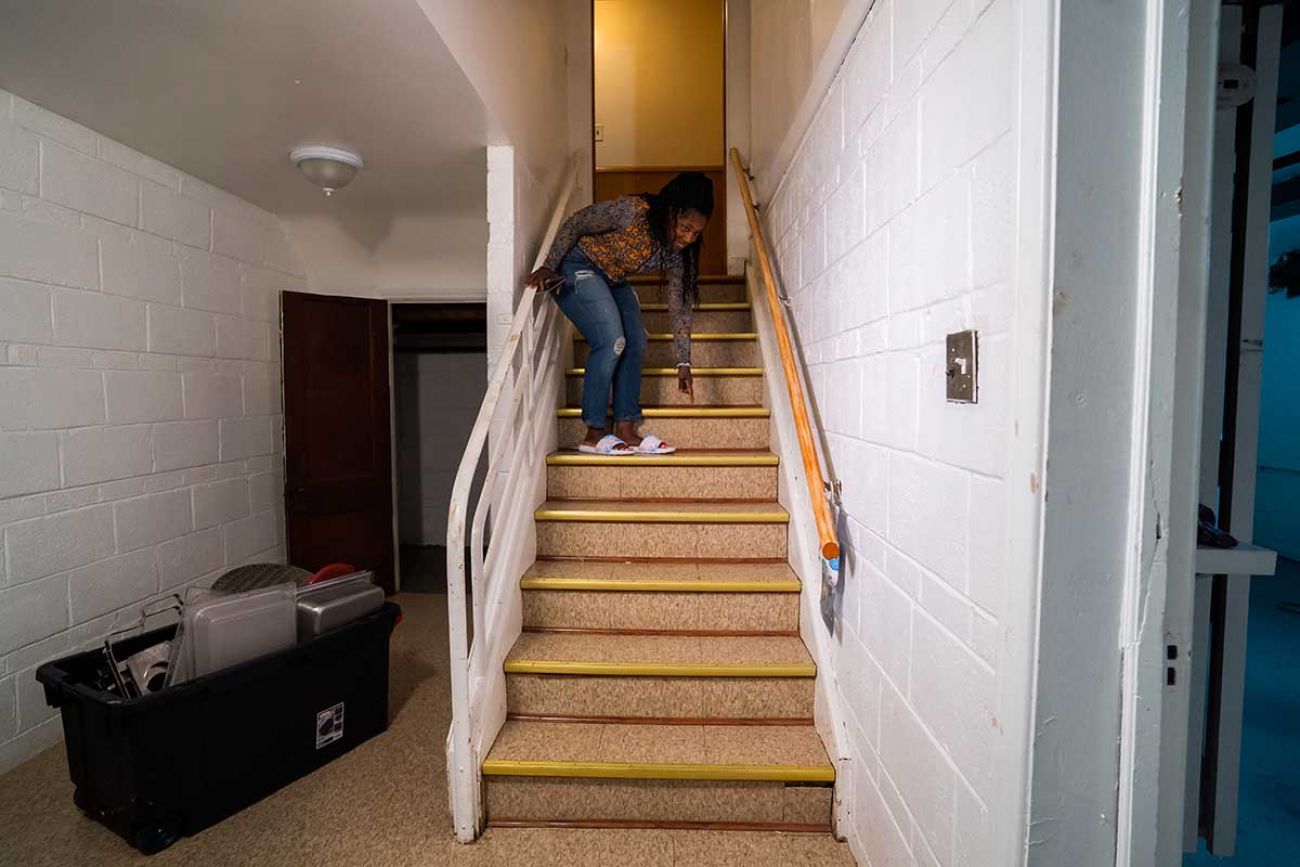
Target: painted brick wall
<point x="140" y="426"/>
<point x="892" y="228"/>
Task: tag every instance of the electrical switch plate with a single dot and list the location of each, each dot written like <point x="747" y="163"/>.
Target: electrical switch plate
<point x="600" y="132"/>
<point x="961" y="369"/>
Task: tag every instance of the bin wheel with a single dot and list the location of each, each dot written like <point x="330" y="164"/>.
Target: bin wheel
<point x="152" y="839"/>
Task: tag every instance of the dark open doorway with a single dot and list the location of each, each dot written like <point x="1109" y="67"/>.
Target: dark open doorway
<point x="1244" y="804"/>
<point x="439" y="379"/>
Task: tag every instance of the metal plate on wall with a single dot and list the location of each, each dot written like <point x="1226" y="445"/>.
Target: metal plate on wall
<point x="962" y="361"/>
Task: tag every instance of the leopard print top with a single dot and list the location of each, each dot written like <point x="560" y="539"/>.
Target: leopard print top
<point x="615" y="236"/>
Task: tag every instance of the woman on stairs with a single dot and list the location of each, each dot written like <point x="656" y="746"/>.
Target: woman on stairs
<point x="595" y="251"/>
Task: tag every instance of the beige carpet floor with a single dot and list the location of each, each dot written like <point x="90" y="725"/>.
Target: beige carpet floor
<point x="384" y="803"/>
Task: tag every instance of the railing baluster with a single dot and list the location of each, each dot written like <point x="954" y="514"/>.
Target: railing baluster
<point x="477" y="575"/>
<point x="517" y="375"/>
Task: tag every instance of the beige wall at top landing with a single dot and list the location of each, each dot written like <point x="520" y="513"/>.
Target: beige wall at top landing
<point x="659" y="82"/>
<point x="787" y="39"/>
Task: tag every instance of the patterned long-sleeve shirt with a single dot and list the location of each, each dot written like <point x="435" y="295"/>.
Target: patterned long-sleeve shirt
<point x="615" y="235"/>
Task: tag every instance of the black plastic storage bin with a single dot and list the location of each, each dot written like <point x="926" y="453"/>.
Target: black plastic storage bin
<point x="172" y="763"/>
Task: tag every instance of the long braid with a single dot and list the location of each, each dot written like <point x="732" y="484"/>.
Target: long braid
<point x="663" y="256"/>
<point x="691" y="274"/>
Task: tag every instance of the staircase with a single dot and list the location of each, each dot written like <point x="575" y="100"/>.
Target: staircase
<point x="660" y="680"/>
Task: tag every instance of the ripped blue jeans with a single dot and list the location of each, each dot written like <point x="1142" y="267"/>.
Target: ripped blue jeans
<point x="609" y="318"/>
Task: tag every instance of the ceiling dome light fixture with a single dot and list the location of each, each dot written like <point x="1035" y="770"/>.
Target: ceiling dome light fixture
<point x="329" y="168"/>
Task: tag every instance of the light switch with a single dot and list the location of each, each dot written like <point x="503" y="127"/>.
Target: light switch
<point x="600" y="132"/>
<point x="961" y="369"/>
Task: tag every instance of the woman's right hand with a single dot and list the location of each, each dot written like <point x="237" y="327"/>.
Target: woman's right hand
<point x="545" y="280"/>
<point x="685" y="382"/>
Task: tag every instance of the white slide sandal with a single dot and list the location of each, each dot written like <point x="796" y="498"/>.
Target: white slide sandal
<point x="652" y="445"/>
<point x="607" y="445"/>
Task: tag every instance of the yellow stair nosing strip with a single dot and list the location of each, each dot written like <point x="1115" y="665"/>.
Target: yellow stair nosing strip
<point x="659" y="669"/>
<point x="677" y="516"/>
<point x="706" y="307"/>
<point x="703" y="335"/>
<point x="684" y="412"/>
<point x="650" y="771"/>
<point x="672" y="371"/>
<point x="666" y="585"/>
<point x="704" y="280"/>
<point x="580" y="459"/>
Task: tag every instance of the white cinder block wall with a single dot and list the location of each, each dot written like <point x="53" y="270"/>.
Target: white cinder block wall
<point x="892" y="228"/>
<point x="140" y="426"/>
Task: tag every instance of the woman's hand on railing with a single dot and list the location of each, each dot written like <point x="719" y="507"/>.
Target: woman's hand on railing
<point x="544" y="280"/>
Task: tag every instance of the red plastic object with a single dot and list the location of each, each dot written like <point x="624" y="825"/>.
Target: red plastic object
<point x="337" y="570"/>
<point x="333" y="570"/>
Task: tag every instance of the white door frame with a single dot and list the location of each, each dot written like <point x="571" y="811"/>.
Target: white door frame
<point x="1215" y="352"/>
<point x="1178" y="97"/>
<point x="1129" y="199"/>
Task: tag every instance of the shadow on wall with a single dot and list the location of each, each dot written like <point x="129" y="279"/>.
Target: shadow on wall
<point x="367" y="228"/>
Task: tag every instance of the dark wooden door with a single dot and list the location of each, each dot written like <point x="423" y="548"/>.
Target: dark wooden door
<point x="338" y="439"/>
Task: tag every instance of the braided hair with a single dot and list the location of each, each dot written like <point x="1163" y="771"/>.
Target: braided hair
<point x="688" y="191"/>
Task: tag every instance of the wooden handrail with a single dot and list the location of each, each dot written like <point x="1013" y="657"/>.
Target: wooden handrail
<point x="812" y="467"/>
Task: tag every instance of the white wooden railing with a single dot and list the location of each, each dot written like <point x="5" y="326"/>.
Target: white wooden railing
<point x="514" y="431"/>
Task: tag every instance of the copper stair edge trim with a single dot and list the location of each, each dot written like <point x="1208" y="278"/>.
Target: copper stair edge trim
<point x="704" y="336"/>
<point x="738" y="561"/>
<point x="680" y="452"/>
<point x="672" y="371"/>
<point x="703" y="280"/>
<point x="666" y="633"/>
<point x="674" y="410"/>
<point x="822" y="772"/>
<point x="591" y="668"/>
<point x="699" y="515"/>
<point x="743" y="458"/>
<point x="696" y="450"/>
<point x="642" y="825"/>
<point x="678" y="501"/>
<point x="702" y="307"/>
<point x="561" y="584"/>
<point x="789" y="722"/>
